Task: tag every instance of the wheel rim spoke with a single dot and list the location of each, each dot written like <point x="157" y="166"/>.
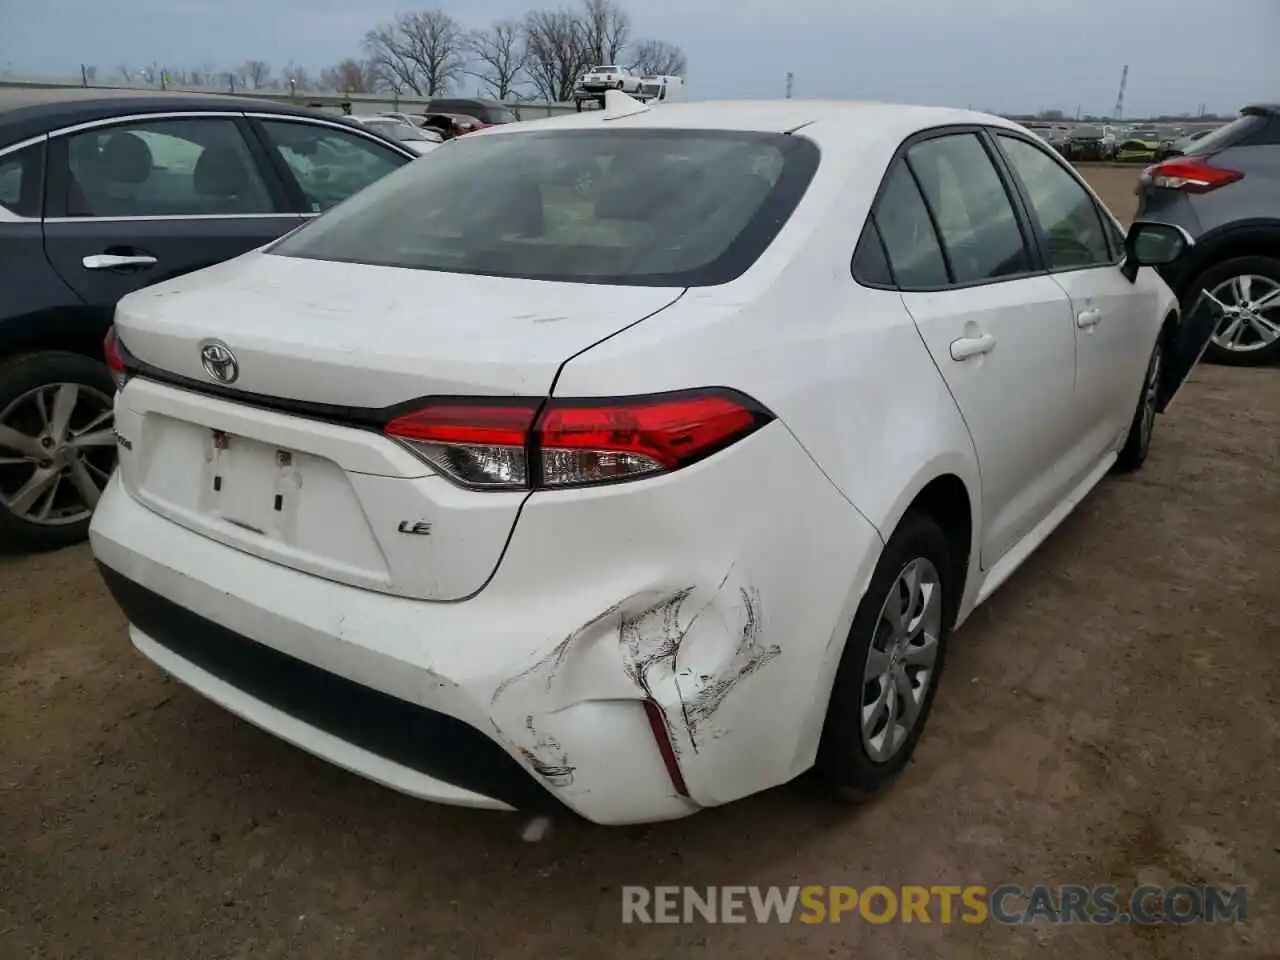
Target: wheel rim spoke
<point x="29" y="494"/>
<point x="13" y="439"/>
<point x="65" y="398"/>
<point x="98" y="438"/>
<point x="84" y="483"/>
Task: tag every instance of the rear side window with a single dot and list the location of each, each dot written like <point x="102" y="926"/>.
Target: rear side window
<point x="870" y="263"/>
<point x="972" y="208"/>
<point x="629" y="207"/>
<point x="22" y="181"/>
<point x="909" y="238"/>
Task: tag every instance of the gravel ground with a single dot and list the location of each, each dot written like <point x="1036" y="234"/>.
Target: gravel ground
<point x="1111" y="715"/>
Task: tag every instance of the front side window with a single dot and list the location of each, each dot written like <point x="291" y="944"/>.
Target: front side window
<point x="1068" y="219"/>
<point x="329" y="165"/>
<point x="909" y="238"/>
<point x="21" y="180"/>
<point x="163" y="168"/>
<point x="972" y="208"/>
<point x="638" y="207"/>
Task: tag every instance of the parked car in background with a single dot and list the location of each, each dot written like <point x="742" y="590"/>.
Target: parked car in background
<point x="487" y="112"/>
<point x="1056" y="135"/>
<point x="418" y="139"/>
<point x="450" y="125"/>
<point x="1182" y="145"/>
<point x="101" y="193"/>
<point x="1139" y="145"/>
<point x="597" y="80"/>
<point x="508" y="498"/>
<point x="1087" y="143"/>
<point x="661" y="89"/>
<point x="1224" y="190"/>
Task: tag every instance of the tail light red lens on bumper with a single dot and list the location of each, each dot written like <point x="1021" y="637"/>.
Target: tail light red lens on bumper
<point x="560" y="443"/>
<point x="114" y="353"/>
<point x="1190" y="175"/>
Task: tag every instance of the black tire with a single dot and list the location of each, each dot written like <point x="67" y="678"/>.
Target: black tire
<point x="1138" y="443"/>
<point x="19" y="377"/>
<point x="1213" y="277"/>
<point x="844" y="766"/>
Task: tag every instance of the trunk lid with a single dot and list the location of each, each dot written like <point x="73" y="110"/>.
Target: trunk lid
<point x="307" y="490"/>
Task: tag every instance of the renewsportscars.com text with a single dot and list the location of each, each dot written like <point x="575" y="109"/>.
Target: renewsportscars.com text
<point x="1006" y="904"/>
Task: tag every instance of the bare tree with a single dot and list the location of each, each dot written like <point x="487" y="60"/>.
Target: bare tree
<point x="125" y="72"/>
<point x="91" y="74"/>
<point x="350" y="76"/>
<point x="607" y="29"/>
<point x="422" y="51"/>
<point x="256" y="72"/>
<point x="558" y="52"/>
<point x="499" y="57"/>
<point x="657" y="58"/>
<point x="297" y="77"/>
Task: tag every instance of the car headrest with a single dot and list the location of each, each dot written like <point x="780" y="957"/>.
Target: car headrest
<point x="220" y="172"/>
<point x="125" y="158"/>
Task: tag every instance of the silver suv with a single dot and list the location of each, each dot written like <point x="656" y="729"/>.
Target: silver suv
<point x="1224" y="189"/>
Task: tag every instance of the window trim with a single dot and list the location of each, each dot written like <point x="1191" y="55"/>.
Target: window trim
<point x="57" y="169"/>
<point x="1034" y="220"/>
<point x="1029" y="243"/>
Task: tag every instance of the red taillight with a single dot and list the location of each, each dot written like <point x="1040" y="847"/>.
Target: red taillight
<point x="114" y="355"/>
<point x="600" y="441"/>
<point x="476" y="443"/>
<point x="1190" y="175"/>
<point x="495" y="444"/>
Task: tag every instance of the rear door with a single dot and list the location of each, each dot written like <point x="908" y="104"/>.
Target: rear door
<point x="999" y="330"/>
<point x="1116" y="321"/>
<point x="135" y="202"/>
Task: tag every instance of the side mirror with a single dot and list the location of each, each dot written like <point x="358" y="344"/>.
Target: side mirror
<point x="1152" y="244"/>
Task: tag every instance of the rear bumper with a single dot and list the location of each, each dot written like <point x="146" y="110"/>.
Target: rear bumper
<point x="718" y="597"/>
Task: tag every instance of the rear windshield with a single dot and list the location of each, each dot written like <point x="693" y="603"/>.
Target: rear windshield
<point x="633" y="207"/>
<point x="1227" y="135"/>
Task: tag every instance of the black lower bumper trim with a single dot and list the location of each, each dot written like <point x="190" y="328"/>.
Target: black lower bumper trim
<point x="429" y="742"/>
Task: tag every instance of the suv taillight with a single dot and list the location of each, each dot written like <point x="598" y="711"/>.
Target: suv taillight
<point x="1190" y="175"/>
<point x="522" y="445"/>
<point x="114" y="354"/>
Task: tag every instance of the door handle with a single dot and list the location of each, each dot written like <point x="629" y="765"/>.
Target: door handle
<point x="109" y="261"/>
<point x="967" y="347"/>
<point x="1088" y="318"/>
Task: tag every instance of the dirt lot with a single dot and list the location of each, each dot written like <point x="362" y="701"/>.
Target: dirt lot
<point x="1112" y="715"/>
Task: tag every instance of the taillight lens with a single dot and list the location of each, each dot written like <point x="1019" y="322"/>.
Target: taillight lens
<point x="113" y="352"/>
<point x="493" y="444"/>
<point x="482" y="444"/>
<point x="1190" y="175"/>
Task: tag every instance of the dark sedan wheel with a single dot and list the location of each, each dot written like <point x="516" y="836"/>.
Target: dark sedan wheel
<point x="57" y="448"/>
<point x="1249" y="287"/>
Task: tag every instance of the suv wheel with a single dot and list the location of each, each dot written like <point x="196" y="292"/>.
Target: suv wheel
<point x="57" y="448"/>
<point x="1249" y="334"/>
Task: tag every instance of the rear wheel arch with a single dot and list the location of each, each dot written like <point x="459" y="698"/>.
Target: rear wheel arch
<point x="1250" y="239"/>
<point x="945" y="499"/>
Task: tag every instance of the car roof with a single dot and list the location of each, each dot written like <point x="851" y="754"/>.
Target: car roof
<point x="27" y="112"/>
<point x="823" y="120"/>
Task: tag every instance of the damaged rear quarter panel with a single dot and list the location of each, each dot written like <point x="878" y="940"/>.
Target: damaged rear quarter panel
<point x="734" y="579"/>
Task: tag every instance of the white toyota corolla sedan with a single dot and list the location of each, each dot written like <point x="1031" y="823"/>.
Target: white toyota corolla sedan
<point x="636" y="500"/>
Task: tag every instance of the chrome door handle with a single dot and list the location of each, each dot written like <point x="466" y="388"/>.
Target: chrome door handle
<point x="967" y="347"/>
<point x="109" y="261"/>
<point x="1088" y="318"/>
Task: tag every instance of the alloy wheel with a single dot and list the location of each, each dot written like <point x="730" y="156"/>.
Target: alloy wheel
<point x="1150" y="398"/>
<point x="901" y="659"/>
<point x="57" y="451"/>
<point x="1252" y="319"/>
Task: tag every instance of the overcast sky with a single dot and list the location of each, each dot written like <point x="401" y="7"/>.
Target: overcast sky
<point x="1000" y="55"/>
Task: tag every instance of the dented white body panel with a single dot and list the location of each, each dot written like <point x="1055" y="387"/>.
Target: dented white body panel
<point x="607" y="597"/>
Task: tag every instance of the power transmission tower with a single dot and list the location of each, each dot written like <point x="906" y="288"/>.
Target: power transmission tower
<point x="1118" y="112"/>
<point x="790" y="80"/>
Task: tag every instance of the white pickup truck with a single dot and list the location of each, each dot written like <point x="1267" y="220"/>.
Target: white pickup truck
<point x="608" y="77"/>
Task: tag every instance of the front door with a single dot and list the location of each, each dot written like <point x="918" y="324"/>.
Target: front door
<point x="1116" y="322"/>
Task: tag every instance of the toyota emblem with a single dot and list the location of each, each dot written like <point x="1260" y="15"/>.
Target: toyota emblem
<point x="219" y="362"/>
